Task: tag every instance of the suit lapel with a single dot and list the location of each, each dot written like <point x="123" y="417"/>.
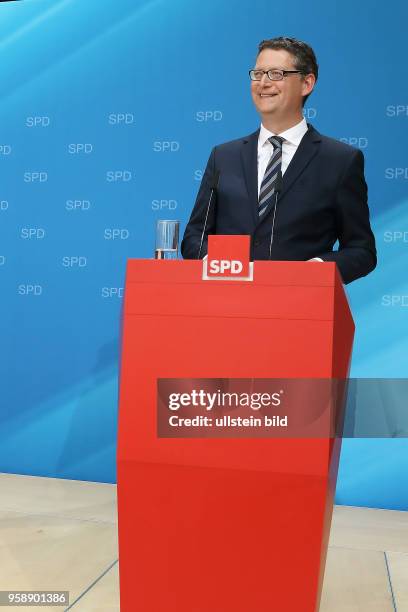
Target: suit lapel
<point x="305" y="152"/>
<point x="249" y="157"/>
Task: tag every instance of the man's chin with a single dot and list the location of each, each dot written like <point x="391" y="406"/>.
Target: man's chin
<point x="267" y="110"/>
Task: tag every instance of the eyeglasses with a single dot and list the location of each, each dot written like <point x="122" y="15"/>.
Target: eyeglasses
<point x="273" y="75"/>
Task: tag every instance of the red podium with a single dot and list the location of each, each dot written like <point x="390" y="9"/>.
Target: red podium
<point x="225" y="525"/>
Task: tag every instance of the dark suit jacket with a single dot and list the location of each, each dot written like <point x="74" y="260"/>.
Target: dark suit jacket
<point x="323" y="199"/>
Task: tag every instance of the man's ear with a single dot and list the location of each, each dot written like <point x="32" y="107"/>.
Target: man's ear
<point x="308" y="83"/>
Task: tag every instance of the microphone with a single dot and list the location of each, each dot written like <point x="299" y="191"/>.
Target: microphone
<point x="277" y="190"/>
<point x="213" y="189"/>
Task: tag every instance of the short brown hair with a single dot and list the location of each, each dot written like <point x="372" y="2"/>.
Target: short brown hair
<point x="303" y="54"/>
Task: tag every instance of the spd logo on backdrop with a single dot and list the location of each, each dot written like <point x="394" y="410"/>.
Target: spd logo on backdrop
<point x="228" y="259"/>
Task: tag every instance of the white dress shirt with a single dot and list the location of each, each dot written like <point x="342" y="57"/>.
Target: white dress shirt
<point x="292" y="137"/>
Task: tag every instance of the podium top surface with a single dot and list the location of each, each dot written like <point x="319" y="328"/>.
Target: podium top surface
<point x="279" y="290"/>
<point x="272" y="273"/>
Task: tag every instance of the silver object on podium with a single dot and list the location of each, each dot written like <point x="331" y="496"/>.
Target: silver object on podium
<point x="167" y="238"/>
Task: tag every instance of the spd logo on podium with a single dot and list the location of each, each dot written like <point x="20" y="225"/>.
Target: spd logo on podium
<point x="228" y="259"/>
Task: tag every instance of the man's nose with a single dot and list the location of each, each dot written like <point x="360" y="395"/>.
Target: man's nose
<point x="264" y="79"/>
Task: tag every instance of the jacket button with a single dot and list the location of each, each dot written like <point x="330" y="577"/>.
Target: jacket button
<point x="257" y="242"/>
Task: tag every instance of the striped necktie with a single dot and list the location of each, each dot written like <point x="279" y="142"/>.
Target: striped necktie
<point x="271" y="174"/>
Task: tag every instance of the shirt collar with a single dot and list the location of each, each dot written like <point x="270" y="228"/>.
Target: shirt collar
<point x="293" y="135"/>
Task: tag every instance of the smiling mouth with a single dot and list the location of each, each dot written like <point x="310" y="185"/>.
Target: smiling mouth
<point x="262" y="95"/>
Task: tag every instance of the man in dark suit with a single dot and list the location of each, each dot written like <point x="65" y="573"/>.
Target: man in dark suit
<point x="309" y="188"/>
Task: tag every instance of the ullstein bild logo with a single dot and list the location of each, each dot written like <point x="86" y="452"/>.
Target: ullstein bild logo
<point x="228" y="259"/>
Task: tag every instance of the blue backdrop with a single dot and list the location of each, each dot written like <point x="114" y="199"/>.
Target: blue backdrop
<point x="108" y="114"/>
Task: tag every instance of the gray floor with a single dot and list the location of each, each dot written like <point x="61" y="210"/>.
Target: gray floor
<point x="62" y="535"/>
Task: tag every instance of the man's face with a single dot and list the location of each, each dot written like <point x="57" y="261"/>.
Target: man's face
<point x="280" y="99"/>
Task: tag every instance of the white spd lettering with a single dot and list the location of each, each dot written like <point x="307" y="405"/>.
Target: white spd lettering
<point x="221" y="266"/>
